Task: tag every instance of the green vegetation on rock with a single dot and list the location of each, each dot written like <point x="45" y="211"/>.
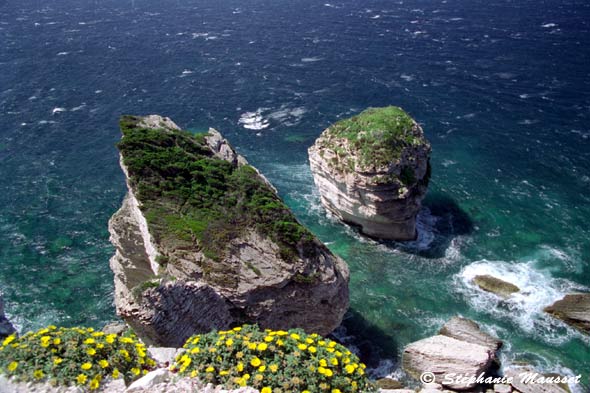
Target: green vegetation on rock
<point x="273" y="361"/>
<point x="195" y="201"/>
<point x="377" y="136"/>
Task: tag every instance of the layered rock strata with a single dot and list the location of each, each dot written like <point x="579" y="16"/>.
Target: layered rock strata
<point x="203" y="242"/>
<point x="372" y="170"/>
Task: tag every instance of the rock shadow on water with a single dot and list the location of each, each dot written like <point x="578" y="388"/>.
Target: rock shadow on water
<point x="372" y="344"/>
<point x="440" y="221"/>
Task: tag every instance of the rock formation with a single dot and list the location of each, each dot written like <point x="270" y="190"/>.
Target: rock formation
<point x="372" y="170"/>
<point x="6" y="328"/>
<point x="203" y="242"/>
<point x="460" y="348"/>
<point x="573" y="309"/>
<point x="496" y="286"/>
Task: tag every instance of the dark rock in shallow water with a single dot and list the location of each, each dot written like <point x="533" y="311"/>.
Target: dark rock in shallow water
<point x="203" y="242"/>
<point x="494" y="285"/>
<point x="573" y="309"/>
<point x="6" y="328"/>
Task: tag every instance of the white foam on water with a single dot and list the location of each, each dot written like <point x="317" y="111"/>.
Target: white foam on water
<point x="63" y="53"/>
<point x="549" y="25"/>
<point x="78" y="108"/>
<point x="538" y="289"/>
<point x="311" y="59"/>
<point x="253" y="120"/>
<point x="57" y="110"/>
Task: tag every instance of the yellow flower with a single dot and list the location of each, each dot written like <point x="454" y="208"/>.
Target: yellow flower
<point x="336" y="391"/>
<point x="91" y="351"/>
<point x="306" y="391"/>
<point x="45" y="341"/>
<point x="266" y="389"/>
<point x="116" y="374"/>
<point x="302" y="347"/>
<point x="135" y="371"/>
<point x="196" y="340"/>
<point x="223" y="372"/>
<point x="255" y="362"/>
<point x="103" y="363"/>
<point x="209" y="369"/>
<point x="124" y="353"/>
<point x="309" y="340"/>
<point x="349" y="368"/>
<point x="94" y="384"/>
<point x="294" y="336"/>
<point x="97" y="334"/>
<point x="334" y="361"/>
<point x="126" y="340"/>
<point x="273" y="368"/>
<point x="8" y="340"/>
<point x="12" y="366"/>
<point x="237" y="329"/>
<point x="110" y="338"/>
<point x="262" y="347"/>
<point x="246" y="376"/>
<point x="258" y="377"/>
<point x="194" y="374"/>
<point x="280" y="342"/>
<point x="240" y="367"/>
<point x="252" y="346"/>
<point x="268" y="339"/>
<point x="81" y="379"/>
<point x="56" y="341"/>
<point x="195" y="350"/>
<point x="312" y="349"/>
<point x="229" y="342"/>
<point x="86" y="366"/>
<point x="57" y="361"/>
<point x="261" y="368"/>
<point x="323" y="363"/>
<point x="241" y="382"/>
<point x="89" y="341"/>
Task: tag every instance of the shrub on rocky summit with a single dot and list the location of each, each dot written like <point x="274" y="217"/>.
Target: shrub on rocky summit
<point x="273" y="361"/>
<point x="73" y="356"/>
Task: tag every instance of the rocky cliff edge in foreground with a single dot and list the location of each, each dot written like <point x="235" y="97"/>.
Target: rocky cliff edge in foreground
<point x="372" y="170"/>
<point x="203" y="242"/>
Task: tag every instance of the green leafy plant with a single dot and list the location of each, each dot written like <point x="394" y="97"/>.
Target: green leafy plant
<point x="73" y="356"/>
<point x="273" y="361"/>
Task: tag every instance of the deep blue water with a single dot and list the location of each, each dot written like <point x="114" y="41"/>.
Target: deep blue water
<point x="501" y="88"/>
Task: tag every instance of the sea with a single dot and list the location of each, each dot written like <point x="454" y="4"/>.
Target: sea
<point x="500" y="87"/>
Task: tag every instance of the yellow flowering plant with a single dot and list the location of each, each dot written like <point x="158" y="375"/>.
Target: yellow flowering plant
<point x="273" y="361"/>
<point x="73" y="356"/>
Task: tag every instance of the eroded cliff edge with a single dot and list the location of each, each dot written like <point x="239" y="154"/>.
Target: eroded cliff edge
<point x="372" y="170"/>
<point x="203" y="242"/>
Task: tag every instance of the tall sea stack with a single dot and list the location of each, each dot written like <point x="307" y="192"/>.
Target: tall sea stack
<point x="203" y="242"/>
<point x="372" y="170"/>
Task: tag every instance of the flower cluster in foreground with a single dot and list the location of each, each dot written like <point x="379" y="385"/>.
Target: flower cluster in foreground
<point x="273" y="361"/>
<point x="73" y="356"/>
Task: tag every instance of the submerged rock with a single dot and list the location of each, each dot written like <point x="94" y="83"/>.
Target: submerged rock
<point x="203" y="242"/>
<point x="496" y="286"/>
<point x="573" y="309"/>
<point x="372" y="170"/>
<point x="461" y="348"/>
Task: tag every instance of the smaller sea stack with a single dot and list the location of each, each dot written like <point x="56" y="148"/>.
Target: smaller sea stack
<point x="372" y="170"/>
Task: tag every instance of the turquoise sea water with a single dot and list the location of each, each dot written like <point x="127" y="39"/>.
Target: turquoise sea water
<point x="501" y="88"/>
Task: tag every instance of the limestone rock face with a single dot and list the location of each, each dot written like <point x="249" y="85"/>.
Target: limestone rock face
<point x="372" y="170"/>
<point x="464" y="329"/>
<point x="573" y="309"/>
<point x="460" y="348"/>
<point x="203" y="242"/>
<point x="495" y="285"/>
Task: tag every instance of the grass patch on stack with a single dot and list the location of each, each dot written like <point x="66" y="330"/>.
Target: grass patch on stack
<point x="195" y="201"/>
